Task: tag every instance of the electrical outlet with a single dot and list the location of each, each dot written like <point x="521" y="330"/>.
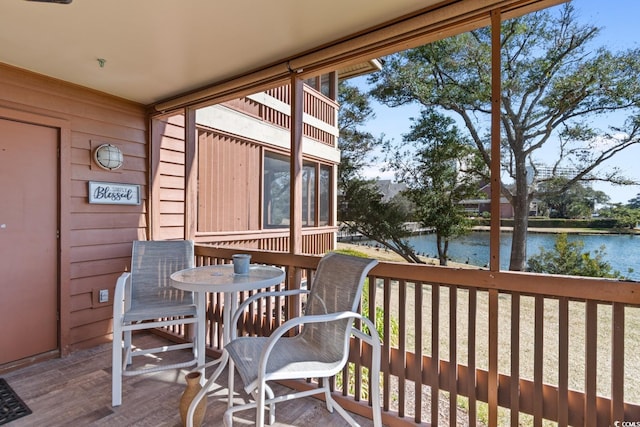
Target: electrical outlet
<point x="104" y="295"/>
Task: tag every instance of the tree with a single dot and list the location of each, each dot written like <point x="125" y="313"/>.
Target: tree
<point x="634" y="203"/>
<point x="384" y="222"/>
<point x="436" y="163"/>
<point x="356" y="146"/>
<point x="576" y="201"/>
<point x="625" y="216"/>
<point x="567" y="258"/>
<point x="553" y="83"/>
<point x="361" y="209"/>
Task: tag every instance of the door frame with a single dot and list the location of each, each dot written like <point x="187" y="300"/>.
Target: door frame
<point x="64" y="197"/>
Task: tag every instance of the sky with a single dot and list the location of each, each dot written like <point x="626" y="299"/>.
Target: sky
<point x="619" y="31"/>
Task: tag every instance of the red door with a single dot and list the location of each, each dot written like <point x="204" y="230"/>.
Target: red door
<point x="28" y="240"/>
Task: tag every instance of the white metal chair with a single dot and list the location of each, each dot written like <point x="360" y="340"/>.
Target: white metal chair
<point x="145" y="299"/>
<point x="320" y="350"/>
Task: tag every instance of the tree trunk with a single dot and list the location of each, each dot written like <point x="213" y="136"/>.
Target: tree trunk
<point x="406" y="252"/>
<point x="520" y="205"/>
<point x="442" y="249"/>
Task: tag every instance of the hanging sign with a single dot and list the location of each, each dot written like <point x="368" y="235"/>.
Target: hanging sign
<point x="111" y="193"/>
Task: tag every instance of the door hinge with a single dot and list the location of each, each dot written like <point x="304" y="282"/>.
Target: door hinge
<point x="57" y="234"/>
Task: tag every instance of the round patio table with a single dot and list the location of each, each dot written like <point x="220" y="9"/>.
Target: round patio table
<point x="220" y="278"/>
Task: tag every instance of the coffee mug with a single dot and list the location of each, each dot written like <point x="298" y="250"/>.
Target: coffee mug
<point x="241" y="263"/>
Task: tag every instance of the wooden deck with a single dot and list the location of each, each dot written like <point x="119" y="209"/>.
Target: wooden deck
<point x="76" y="390"/>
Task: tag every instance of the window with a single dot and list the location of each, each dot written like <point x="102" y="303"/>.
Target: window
<point x="316" y="193"/>
<point x="324" y="84"/>
<point x="308" y="195"/>
<point x="325" y="193"/>
<point x="277" y="181"/>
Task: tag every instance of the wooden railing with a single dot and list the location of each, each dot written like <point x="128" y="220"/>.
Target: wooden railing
<point x="524" y="348"/>
<point x="315" y="105"/>
<point x="314" y="240"/>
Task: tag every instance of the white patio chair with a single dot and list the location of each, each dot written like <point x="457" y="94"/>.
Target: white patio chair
<point x="320" y="350"/>
<point x="145" y="299"/>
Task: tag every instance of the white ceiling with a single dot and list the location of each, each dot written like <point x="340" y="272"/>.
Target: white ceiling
<point x="157" y="49"/>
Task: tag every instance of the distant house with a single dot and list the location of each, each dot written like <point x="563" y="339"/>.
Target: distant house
<point x="388" y="189"/>
<point x="481" y="205"/>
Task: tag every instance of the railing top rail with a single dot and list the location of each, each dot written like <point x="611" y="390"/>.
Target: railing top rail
<point x="573" y="287"/>
<point x="579" y="288"/>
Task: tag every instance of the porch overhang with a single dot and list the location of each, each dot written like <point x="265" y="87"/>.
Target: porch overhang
<point x="170" y="54"/>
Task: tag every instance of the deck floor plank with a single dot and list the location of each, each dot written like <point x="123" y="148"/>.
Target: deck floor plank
<point x="76" y="390"/>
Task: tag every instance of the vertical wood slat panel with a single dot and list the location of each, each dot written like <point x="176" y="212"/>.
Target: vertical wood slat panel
<point x="453" y="355"/>
<point x="617" y="365"/>
<point x="227" y="167"/>
<point x="204" y="181"/>
<point x="515" y="359"/>
<point x="435" y="353"/>
<point x="492" y="398"/>
<point x="591" y="340"/>
<point x="190" y="175"/>
<point x="472" y="380"/>
<point x="563" y="362"/>
<point x="538" y="361"/>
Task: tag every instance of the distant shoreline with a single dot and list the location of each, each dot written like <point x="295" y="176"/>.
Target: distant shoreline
<point x="348" y="238"/>
<point x="384" y="254"/>
<point x="563" y="230"/>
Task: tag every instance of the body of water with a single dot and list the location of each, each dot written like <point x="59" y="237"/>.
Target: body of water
<point x="622" y="251"/>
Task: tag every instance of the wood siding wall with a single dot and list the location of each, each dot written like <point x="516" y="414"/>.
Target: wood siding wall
<point x="95" y="240"/>
<point x="168" y="171"/>
<point x="229" y="170"/>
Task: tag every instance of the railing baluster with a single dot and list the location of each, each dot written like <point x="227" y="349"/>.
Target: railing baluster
<point x="385" y="365"/>
<point x="417" y="368"/>
<point x="591" y="339"/>
<point x="617" y="364"/>
<point x="492" y="398"/>
<point x="373" y="282"/>
<point x="402" y="347"/>
<point x="514" y="396"/>
<point x="472" y="349"/>
<point x="435" y="353"/>
<point x="563" y="362"/>
<point x="453" y="355"/>
<point x="538" y="360"/>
